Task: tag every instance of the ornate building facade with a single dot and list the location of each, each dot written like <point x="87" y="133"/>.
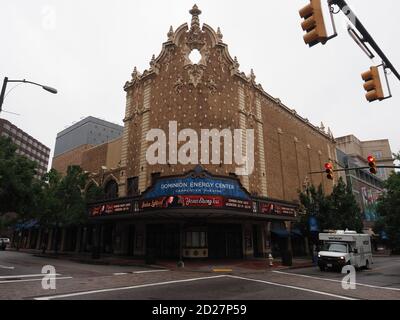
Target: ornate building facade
<point x="203" y="209"/>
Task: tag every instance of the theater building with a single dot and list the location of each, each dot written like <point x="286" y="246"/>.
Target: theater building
<point x="202" y="209"/>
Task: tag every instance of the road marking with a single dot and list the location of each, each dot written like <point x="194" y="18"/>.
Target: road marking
<point x="30" y="280"/>
<point x="30" y="275"/>
<point x="222" y="270"/>
<point x="124" y="288"/>
<point x="333" y="280"/>
<point x="5" y="267"/>
<point x="148" y="271"/>
<point x="293" y="287"/>
<point x="119" y="273"/>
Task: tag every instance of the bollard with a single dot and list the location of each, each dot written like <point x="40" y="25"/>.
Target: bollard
<point x="271" y="260"/>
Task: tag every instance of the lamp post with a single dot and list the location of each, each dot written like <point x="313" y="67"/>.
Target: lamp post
<point x="6" y="80"/>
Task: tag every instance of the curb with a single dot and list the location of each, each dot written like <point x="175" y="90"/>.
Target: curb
<point x="100" y="262"/>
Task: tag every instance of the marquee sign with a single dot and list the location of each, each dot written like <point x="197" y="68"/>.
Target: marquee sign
<point x="196" y="201"/>
<point x="113" y="208"/>
<point x="276" y="209"/>
<point x="196" y="186"/>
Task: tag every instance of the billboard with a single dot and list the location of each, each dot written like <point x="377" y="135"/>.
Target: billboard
<point x="196" y="186"/>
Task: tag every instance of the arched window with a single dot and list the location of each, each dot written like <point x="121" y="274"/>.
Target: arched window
<point x="93" y="192"/>
<point x="111" y="190"/>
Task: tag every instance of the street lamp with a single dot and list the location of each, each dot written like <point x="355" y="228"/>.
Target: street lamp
<point x="3" y="89"/>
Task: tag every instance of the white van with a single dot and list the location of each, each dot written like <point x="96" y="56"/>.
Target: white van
<point x="342" y="248"/>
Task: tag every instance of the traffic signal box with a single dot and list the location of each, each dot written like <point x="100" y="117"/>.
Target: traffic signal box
<point x="329" y="170"/>
<point x="372" y="164"/>
<point x="313" y="23"/>
<point x="373" y="84"/>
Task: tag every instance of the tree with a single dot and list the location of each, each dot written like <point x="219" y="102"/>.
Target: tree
<point x="338" y="211"/>
<point x="316" y="204"/>
<point x="16" y="180"/>
<point x="388" y="209"/>
<point x="94" y="193"/>
<point x="345" y="211"/>
<point x="64" y="203"/>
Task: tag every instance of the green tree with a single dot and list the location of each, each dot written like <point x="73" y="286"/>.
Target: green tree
<point x="345" y="211"/>
<point x="94" y="193"/>
<point x="338" y="211"/>
<point x="17" y="182"/>
<point x="315" y="203"/>
<point x="388" y="209"/>
<point x="63" y="202"/>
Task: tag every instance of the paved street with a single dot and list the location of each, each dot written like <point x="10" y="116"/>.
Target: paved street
<point x="20" y="278"/>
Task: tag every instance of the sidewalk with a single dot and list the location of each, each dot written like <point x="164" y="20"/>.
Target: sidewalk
<point x="237" y="266"/>
<point x="211" y="265"/>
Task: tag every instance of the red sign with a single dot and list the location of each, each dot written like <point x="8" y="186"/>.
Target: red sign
<point x="110" y="208"/>
<point x="183" y="201"/>
<point x="187" y="201"/>
<point x="275" y="209"/>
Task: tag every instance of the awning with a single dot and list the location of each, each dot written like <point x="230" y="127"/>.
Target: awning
<point x="280" y="233"/>
<point x="30" y="224"/>
<point x="26" y="225"/>
<point x="296" y="233"/>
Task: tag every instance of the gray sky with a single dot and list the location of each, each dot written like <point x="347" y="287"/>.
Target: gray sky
<point x="87" y="50"/>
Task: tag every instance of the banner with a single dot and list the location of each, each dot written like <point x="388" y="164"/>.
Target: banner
<point x="196" y="186"/>
<point x="190" y="201"/>
<point x="113" y="208"/>
<point x="275" y="209"/>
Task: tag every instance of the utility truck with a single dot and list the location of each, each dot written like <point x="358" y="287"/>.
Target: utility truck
<point x="340" y="248"/>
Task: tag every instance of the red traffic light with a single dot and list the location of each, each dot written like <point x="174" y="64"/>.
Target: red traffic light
<point x="372" y="164"/>
<point x="371" y="159"/>
<point x="329" y="170"/>
<point x="328" y="165"/>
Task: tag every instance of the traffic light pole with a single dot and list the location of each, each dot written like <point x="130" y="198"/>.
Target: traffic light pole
<point x="355" y="168"/>
<point x="366" y="36"/>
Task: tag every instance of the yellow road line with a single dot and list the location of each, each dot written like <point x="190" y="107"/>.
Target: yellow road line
<point x="222" y="270"/>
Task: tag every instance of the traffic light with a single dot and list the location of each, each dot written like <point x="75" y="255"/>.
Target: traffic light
<point x="329" y="170"/>
<point x="313" y="23"/>
<point x="373" y="84"/>
<point x="372" y="164"/>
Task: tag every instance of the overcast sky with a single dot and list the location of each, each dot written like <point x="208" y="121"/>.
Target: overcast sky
<point x="88" y="49"/>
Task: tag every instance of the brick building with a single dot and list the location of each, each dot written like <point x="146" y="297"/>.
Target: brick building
<point x="201" y="209"/>
<point x="85" y="134"/>
<point x="27" y="146"/>
<point x="366" y="187"/>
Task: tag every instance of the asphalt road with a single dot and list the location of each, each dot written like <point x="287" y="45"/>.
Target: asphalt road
<point x="21" y="278"/>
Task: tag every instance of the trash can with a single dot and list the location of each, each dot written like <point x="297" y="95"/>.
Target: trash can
<point x="287" y="258"/>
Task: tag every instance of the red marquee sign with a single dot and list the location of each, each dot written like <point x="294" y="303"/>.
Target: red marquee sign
<point x="190" y="201"/>
<point x="277" y="210"/>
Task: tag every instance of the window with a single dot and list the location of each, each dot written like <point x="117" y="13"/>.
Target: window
<point x="377" y="154"/>
<point x="196" y="239"/>
<point x="133" y="186"/>
<point x="111" y="190"/>
<point x="155" y="176"/>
